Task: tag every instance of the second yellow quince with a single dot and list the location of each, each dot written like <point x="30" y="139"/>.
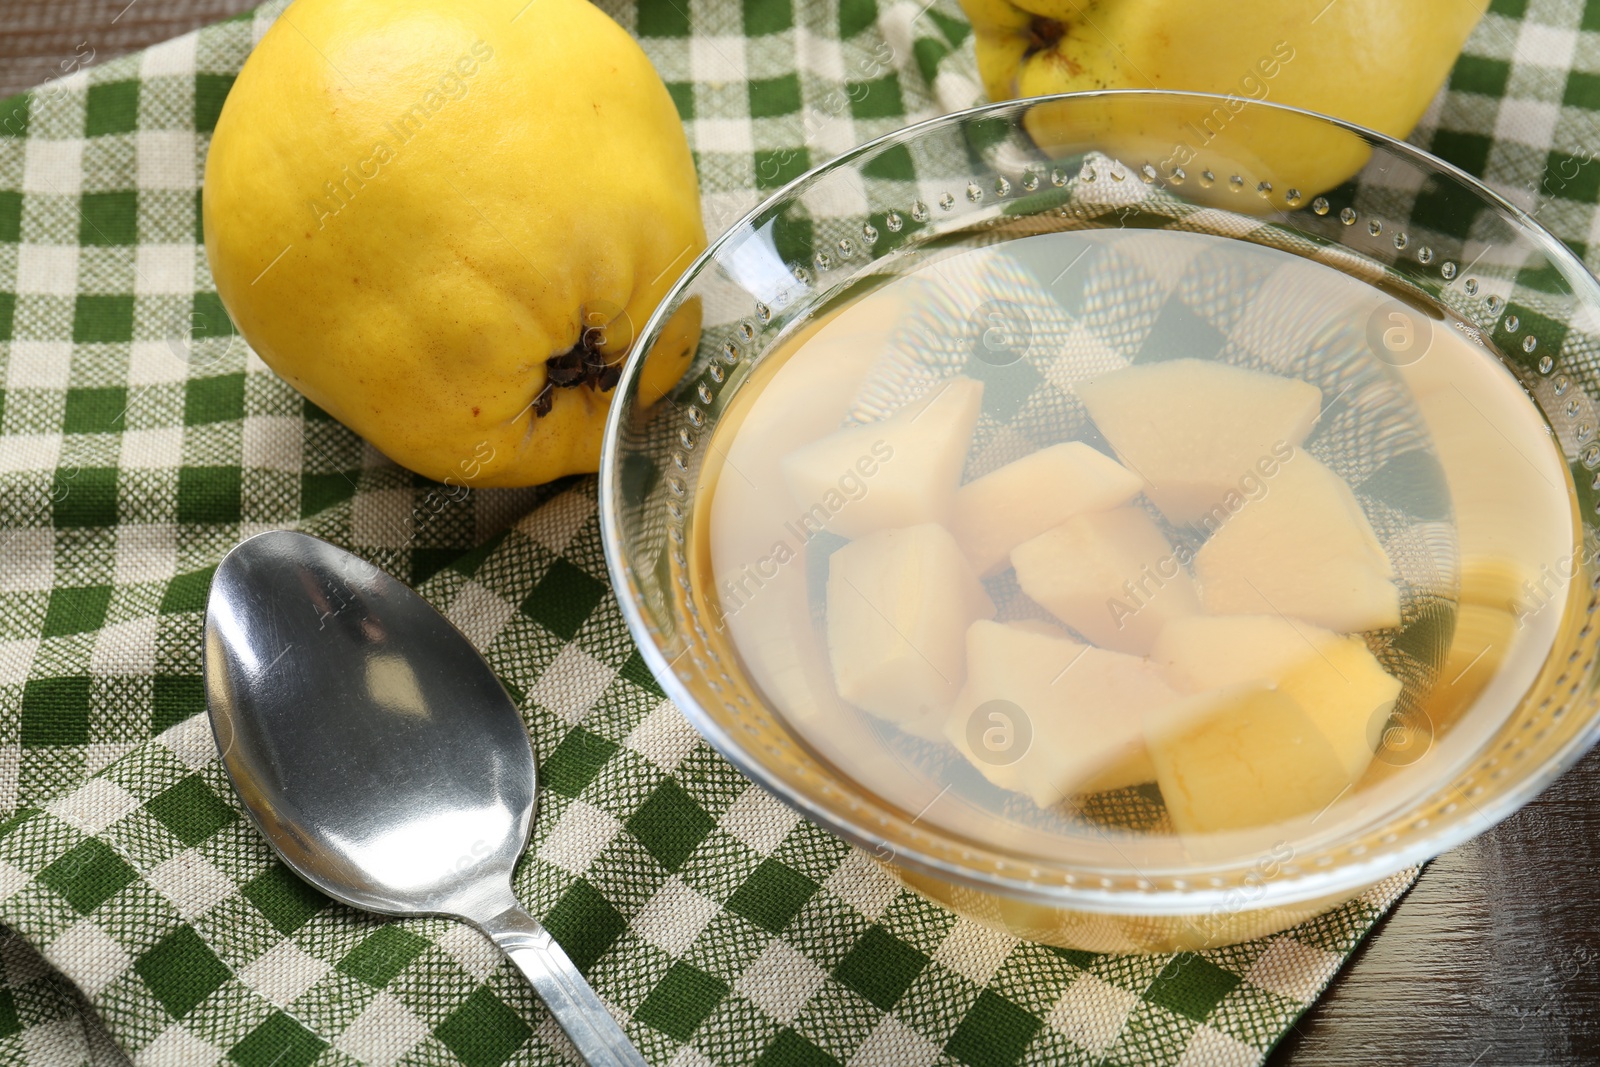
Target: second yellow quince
<point x="1375" y="63"/>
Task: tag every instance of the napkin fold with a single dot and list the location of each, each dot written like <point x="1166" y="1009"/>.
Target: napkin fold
<point x="140" y="439"/>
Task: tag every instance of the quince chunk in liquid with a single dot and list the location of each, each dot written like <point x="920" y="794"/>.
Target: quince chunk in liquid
<point x="1048" y="716"/>
<point x="1235" y="758"/>
<point x="1023" y="499"/>
<point x="1193" y="429"/>
<point x="1110" y="575"/>
<point x="1303" y="549"/>
<point x="1336" y="680"/>
<point x="899" y="604"/>
<point x="899" y="472"/>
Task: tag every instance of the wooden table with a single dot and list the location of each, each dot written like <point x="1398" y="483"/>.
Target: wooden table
<point x="1492" y="960"/>
<point x="40" y="39"/>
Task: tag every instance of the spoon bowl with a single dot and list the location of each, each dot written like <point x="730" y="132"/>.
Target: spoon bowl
<point x="379" y="755"/>
<point x="384" y="760"/>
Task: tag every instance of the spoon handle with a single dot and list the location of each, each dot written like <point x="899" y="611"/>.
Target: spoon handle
<point x="572" y="1001"/>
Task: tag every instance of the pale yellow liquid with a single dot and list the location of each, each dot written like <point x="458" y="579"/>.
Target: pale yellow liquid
<point x="1502" y="575"/>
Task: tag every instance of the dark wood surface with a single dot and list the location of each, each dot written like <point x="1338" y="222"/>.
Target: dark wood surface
<point x="1492" y="959"/>
<point x="43" y="39"/>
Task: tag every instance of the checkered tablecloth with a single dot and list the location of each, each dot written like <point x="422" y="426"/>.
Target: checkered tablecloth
<point x="139" y="440"/>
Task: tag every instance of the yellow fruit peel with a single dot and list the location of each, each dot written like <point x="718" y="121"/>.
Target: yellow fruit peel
<point x="1371" y="62"/>
<point x="411" y="206"/>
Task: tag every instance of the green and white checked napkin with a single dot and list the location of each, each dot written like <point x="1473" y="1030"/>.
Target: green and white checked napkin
<point x="139" y="440"/>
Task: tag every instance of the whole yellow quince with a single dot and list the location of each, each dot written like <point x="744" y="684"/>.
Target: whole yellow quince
<point x="1376" y="63"/>
<point x="444" y="221"/>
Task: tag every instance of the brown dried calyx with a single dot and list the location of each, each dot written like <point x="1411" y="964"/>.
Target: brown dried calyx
<point x="1043" y="33"/>
<point x="582" y="364"/>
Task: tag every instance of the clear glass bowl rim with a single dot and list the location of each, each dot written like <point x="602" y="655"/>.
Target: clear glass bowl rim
<point x="1304" y="885"/>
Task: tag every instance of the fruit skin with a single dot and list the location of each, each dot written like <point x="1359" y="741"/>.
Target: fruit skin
<point x="1230" y="759"/>
<point x="1376" y="63"/>
<point x="1335" y="680"/>
<point x="410" y="205"/>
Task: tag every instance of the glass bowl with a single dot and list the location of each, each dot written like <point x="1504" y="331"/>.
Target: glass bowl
<point x="1376" y="209"/>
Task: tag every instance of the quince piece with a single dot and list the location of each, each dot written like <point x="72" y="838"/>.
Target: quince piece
<point x="895" y="473"/>
<point x="1200" y="432"/>
<point x="1236" y="758"/>
<point x="1304" y="549"/>
<point x="759" y="562"/>
<point x="899" y="605"/>
<point x="1047" y="716"/>
<point x="785" y="404"/>
<point x="1513" y="521"/>
<point x="1482" y="641"/>
<point x="1336" y="680"/>
<point x="1023" y="499"/>
<point x="1202" y="652"/>
<point x="1346" y="692"/>
<point x="1110" y="575"/>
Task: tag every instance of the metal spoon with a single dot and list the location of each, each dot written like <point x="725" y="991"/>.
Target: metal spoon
<point x="380" y="756"/>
